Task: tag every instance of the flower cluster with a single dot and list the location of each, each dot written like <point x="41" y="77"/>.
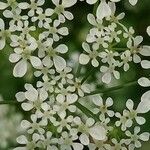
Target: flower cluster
<point x="58" y="120"/>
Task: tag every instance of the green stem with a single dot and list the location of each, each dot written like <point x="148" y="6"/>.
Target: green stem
<point x="86" y="111"/>
<point x="78" y="70"/>
<point x="8" y="102"/>
<point x="112" y="88"/>
<point x="89" y="73"/>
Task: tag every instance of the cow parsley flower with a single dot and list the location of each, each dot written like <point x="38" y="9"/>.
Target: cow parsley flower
<point x="60" y="9"/>
<point x="23" y="48"/>
<point x="55" y="31"/>
<point x="102" y="107"/>
<point x="32" y="99"/>
<point x="135" y="138"/>
<point x="92" y="54"/>
<point x="27" y="143"/>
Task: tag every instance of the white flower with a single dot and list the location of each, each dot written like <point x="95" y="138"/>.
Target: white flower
<point x="16" y="19"/>
<point x="27" y="144"/>
<point x="3" y="34"/>
<point x="55" y="31"/>
<point x="94" y="1"/>
<point x="113" y="35"/>
<point x="63" y="122"/>
<point x="33" y="6"/>
<point x="43" y="17"/>
<point x="80" y="87"/>
<point x="47" y="141"/>
<point x="23" y="49"/>
<point x="112" y="17"/>
<point x="126" y="58"/>
<point x="135" y="49"/>
<point x="92" y="54"/>
<point x="122" y="121"/>
<point x="118" y="145"/>
<point x="68" y="141"/>
<point x="108" y="72"/>
<point x="95" y="22"/>
<point x="133" y="114"/>
<point x="25" y="28"/>
<point x="60" y="9"/>
<point x="103" y="107"/>
<point x="33" y="126"/>
<point x="65" y="103"/>
<point x="65" y="76"/>
<point x="11" y="3"/>
<point x="103" y="10"/>
<point x="128" y="33"/>
<point x="135" y="138"/>
<point x="32" y="99"/>
<point x="99" y="145"/>
<point x="45" y="72"/>
<point x="53" y="57"/>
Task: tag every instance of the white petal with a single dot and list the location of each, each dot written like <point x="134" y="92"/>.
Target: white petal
<point x="56" y="2"/>
<point x="2" y="25"/>
<point x="91" y="1"/>
<point x="138" y="40"/>
<point x="103" y="10"/>
<point x="3" y="5"/>
<point x="144" y="105"/>
<point x="145" y="51"/>
<point x="59" y="63"/>
<point x="26" y="106"/>
<point x="43" y="94"/>
<point x="97" y="100"/>
<point x="84" y="139"/>
<point x="20" y="68"/>
<point x="31" y="95"/>
<point x="68" y="3"/>
<point x="148" y="30"/>
<point x="109" y="101"/>
<point x="77" y="146"/>
<point x="63" y="31"/>
<point x="62" y="48"/>
<point x="71" y="98"/>
<point x="8" y="14"/>
<point x="98" y="132"/>
<point x="23" y="5"/>
<point x="22" y="139"/>
<point x="133" y="2"/>
<point x="145" y="136"/>
<point x="106" y="78"/>
<point x="14" y="57"/>
<point x="145" y="82"/>
<point x="68" y="15"/>
<point x="20" y="96"/>
<point x="140" y="120"/>
<point x="35" y="61"/>
<point x="145" y="64"/>
<point x="129" y="104"/>
<point x="84" y="59"/>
